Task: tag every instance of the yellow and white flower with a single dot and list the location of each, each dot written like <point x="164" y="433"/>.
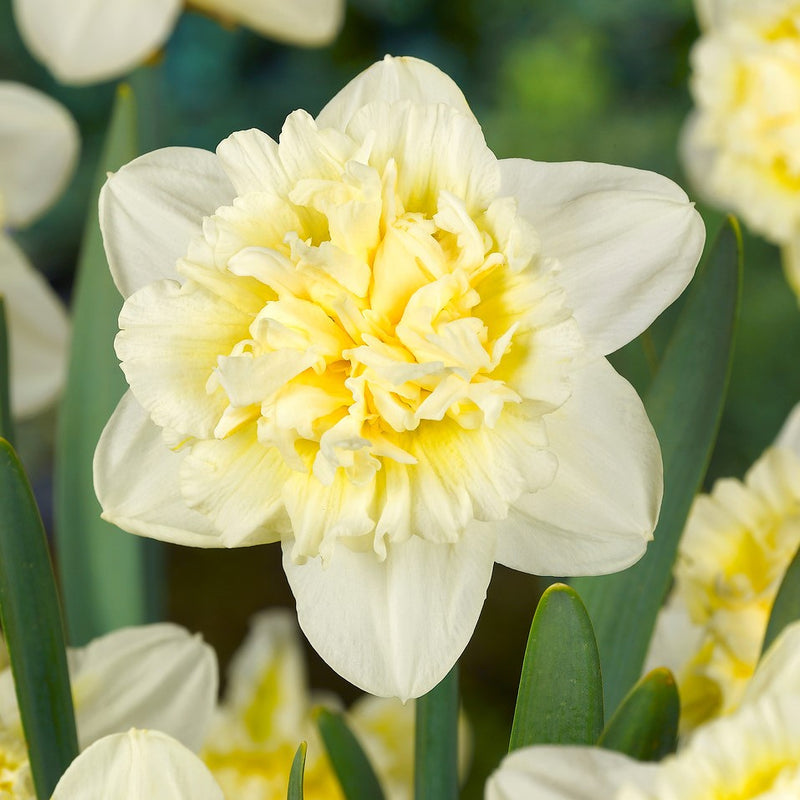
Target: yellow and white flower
<point x="84" y="42"/>
<point x="741" y="144"/>
<point x="156" y="676"/>
<point x="377" y="343"/>
<point x="268" y="710"/>
<point x="738" y="543"/>
<point x="753" y="754"/>
<point x="38" y="149"/>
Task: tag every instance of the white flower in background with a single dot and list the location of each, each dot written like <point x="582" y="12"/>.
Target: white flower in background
<point x="156" y="676"/>
<point x="750" y="755"/>
<point x="268" y="710"/>
<point x="379" y="344"/>
<point x="741" y="144"/>
<point x="38" y="149"/>
<point x="738" y="543"/>
<point x="84" y="42"/>
<point x="135" y="765"/>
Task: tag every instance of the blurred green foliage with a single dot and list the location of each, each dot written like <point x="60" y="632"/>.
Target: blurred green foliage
<point x="548" y="79"/>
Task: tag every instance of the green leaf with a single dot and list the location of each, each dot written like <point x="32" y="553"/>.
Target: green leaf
<point x="786" y="608"/>
<point x="102" y="569"/>
<point x="560" y="699"/>
<point x="684" y="403"/>
<point x="33" y="629"/>
<point x="436" y="741"/>
<point x="295" y="791"/>
<point x="6" y="423"/>
<point x="645" y="726"/>
<point x="350" y="763"/>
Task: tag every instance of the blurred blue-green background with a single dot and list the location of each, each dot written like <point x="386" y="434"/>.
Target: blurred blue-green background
<point x="548" y="80"/>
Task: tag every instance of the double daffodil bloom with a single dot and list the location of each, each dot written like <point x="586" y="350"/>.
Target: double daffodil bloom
<point x="84" y="42"/>
<point x="268" y="710"/>
<point x="753" y="754"/>
<point x="741" y="144"/>
<point x="156" y="676"/>
<point x="38" y="149"/>
<point x="377" y="343"/>
<point x="738" y="543"/>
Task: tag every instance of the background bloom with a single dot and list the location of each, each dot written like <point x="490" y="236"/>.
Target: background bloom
<point x="381" y="345"/>
<point x="85" y="42"/>
<point x="38" y="149"/>
<point x="753" y="753"/>
<point x="740" y="145"/>
<point x="738" y="543"/>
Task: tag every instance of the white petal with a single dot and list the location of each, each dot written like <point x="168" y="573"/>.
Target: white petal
<point x="85" y="41"/>
<point x="628" y="240"/>
<point x="393" y="628"/>
<point x="136" y="765"/>
<point x="38" y="333"/>
<point x="152" y="676"/>
<point x="789" y="436"/>
<point x="38" y="149"/>
<point x="600" y="511"/>
<point x="675" y="637"/>
<point x="778" y="672"/>
<point x="136" y="481"/>
<point x="550" y="772"/>
<point x="303" y="22"/>
<point x="388" y="81"/>
<point x="152" y="208"/>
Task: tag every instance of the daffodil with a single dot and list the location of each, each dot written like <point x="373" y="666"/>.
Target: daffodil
<point x="156" y="676"/>
<point x="84" y="42"/>
<point x="753" y="754"/>
<point x="741" y="144"/>
<point x="381" y="345"/>
<point x="268" y="710"/>
<point x="738" y="543"/>
<point x="38" y="148"/>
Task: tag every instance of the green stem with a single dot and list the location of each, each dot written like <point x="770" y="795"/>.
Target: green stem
<point x="6" y="423"/>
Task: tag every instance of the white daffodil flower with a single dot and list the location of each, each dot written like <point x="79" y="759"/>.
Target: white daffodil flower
<point x="157" y="676"/>
<point x="84" y="42"/>
<point x="268" y="710"/>
<point x="384" y="347"/>
<point x="741" y="143"/>
<point x="734" y="552"/>
<point x="753" y="754"/>
<point x="38" y="150"/>
<point x="136" y="765"/>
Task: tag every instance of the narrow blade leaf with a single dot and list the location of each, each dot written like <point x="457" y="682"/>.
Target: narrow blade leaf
<point x="684" y="404"/>
<point x="436" y="741"/>
<point x="102" y="569"/>
<point x="6" y="424"/>
<point x="645" y="726"/>
<point x="295" y="791"/>
<point x="33" y="628"/>
<point x="560" y="699"/>
<point x="350" y="763"/>
<point x="786" y="607"/>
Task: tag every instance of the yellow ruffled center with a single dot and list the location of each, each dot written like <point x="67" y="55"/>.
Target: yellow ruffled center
<point x="15" y="776"/>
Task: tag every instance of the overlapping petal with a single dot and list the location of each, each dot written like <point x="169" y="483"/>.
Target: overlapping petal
<point x="38" y="148"/>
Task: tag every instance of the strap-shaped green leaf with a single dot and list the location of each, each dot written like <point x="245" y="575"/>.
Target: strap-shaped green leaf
<point x="350" y="763"/>
<point x="436" y="741"/>
<point x="6" y="424"/>
<point x="33" y="629"/>
<point x="645" y="726"/>
<point x="786" y="608"/>
<point x="295" y="791"/>
<point x="684" y="403"/>
<point x="560" y="699"/>
<point x="102" y="569"/>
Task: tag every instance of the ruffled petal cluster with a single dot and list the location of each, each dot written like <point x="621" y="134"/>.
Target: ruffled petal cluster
<point x="84" y="42"/>
<point x="740" y="145"/>
<point x="753" y="754"/>
<point x="38" y="149"/>
<point x="738" y="543"/>
<point x="377" y="343"/>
